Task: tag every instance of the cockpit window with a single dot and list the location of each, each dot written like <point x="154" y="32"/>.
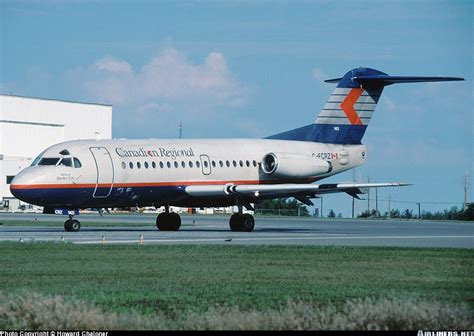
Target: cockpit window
<point x="66" y="162"/>
<point x="48" y="162"/>
<point x="77" y="163"/>
<point x="35" y="161"/>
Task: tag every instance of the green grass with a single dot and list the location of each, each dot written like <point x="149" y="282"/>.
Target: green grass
<point x="65" y="286"/>
<point x="168" y="279"/>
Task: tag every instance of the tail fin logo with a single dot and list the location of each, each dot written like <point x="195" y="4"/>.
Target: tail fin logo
<point x="348" y="106"/>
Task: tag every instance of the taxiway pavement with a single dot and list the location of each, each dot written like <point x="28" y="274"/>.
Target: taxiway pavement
<point x="198" y="229"/>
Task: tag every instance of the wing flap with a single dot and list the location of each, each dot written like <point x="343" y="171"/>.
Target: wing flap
<point x="276" y="190"/>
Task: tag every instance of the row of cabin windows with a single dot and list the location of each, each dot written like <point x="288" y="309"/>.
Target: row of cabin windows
<point x="191" y="164"/>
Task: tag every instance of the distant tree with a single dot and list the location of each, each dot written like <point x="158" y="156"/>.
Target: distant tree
<point x="468" y="214"/>
<point x="339" y="215"/>
<point x="331" y="214"/>
<point x="426" y="215"/>
<point x="364" y="214"/>
<point x="394" y="213"/>
<point x="407" y="214"/>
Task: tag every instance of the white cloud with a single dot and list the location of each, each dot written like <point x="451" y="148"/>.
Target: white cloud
<point x="168" y="78"/>
<point x="112" y="65"/>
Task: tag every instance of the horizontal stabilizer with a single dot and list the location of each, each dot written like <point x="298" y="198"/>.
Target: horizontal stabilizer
<point x="388" y="80"/>
<point x="377" y="78"/>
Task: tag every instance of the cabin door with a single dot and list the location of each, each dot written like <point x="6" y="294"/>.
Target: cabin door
<point x="105" y="172"/>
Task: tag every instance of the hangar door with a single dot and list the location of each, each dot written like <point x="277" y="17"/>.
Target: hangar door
<point x="105" y="171"/>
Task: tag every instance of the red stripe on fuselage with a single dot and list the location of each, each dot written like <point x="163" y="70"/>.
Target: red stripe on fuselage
<point x="157" y="184"/>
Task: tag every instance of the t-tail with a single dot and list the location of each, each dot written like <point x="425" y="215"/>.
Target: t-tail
<point x="348" y="111"/>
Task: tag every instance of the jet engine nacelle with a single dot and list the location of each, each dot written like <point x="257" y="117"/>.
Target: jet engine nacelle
<point x="294" y="165"/>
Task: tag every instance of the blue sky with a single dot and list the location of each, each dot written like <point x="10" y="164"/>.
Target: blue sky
<point x="255" y="68"/>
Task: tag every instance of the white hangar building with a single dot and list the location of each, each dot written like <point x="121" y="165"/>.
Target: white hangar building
<point x="30" y="125"/>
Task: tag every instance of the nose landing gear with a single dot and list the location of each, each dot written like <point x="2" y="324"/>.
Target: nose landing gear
<point x="72" y="225"/>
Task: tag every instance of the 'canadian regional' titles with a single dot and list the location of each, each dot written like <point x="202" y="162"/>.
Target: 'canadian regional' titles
<point x="172" y="153"/>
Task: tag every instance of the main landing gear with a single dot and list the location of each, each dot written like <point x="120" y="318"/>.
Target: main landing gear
<point x="168" y="221"/>
<point x="241" y="222"/>
<point x="72" y="225"/>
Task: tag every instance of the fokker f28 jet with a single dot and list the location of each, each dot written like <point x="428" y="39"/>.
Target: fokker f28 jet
<point x="213" y="173"/>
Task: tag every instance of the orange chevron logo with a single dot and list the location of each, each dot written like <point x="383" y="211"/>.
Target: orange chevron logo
<point x="348" y="106"/>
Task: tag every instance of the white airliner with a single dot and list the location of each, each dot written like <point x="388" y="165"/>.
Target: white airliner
<point x="213" y="173"/>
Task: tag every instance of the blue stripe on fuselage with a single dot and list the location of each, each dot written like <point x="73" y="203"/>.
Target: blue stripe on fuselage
<point x="325" y="133"/>
<point x="83" y="197"/>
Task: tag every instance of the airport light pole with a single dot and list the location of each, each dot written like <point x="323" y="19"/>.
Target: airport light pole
<point x="353" y="201"/>
<point x="389" y="206"/>
<point x="419" y="211"/>
<point x="376" y="203"/>
<point x="321" y="207"/>
<point x="466" y="188"/>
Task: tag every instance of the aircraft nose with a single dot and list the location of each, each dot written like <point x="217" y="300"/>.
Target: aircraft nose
<point x="23" y="187"/>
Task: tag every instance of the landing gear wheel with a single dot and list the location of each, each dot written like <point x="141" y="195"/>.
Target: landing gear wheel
<point x="242" y="223"/>
<point x="234" y="222"/>
<point x="248" y="223"/>
<point x="168" y="221"/>
<point x="72" y="225"/>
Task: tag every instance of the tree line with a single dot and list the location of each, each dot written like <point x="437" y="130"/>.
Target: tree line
<point x="452" y="214"/>
<point x="291" y="207"/>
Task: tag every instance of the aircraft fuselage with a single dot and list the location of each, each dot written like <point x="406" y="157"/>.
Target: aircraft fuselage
<point x="127" y="173"/>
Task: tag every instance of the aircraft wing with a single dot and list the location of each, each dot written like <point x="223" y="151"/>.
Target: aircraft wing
<point x="302" y="192"/>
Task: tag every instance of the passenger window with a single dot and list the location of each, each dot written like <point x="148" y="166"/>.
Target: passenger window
<point x="153" y="164"/>
<point x="247" y="163"/>
<point x="190" y="164"/>
<point x="161" y="165"/>
<point x="131" y="165"/>
<point x="146" y="165"/>
<point x="139" y="165"/>
<point x="48" y="161"/>
<point x="234" y="163"/>
<point x="66" y="162"/>
<point x="183" y="164"/>
<point x="124" y="165"/>
<point x="206" y="164"/>
<point x="198" y="164"/>
<point x="213" y="164"/>
<point x="241" y="163"/>
<point x="176" y="164"/>
<point x="77" y="163"/>
<point x="221" y="164"/>
<point x="168" y="164"/>
<point x="227" y="163"/>
<point x="254" y="163"/>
